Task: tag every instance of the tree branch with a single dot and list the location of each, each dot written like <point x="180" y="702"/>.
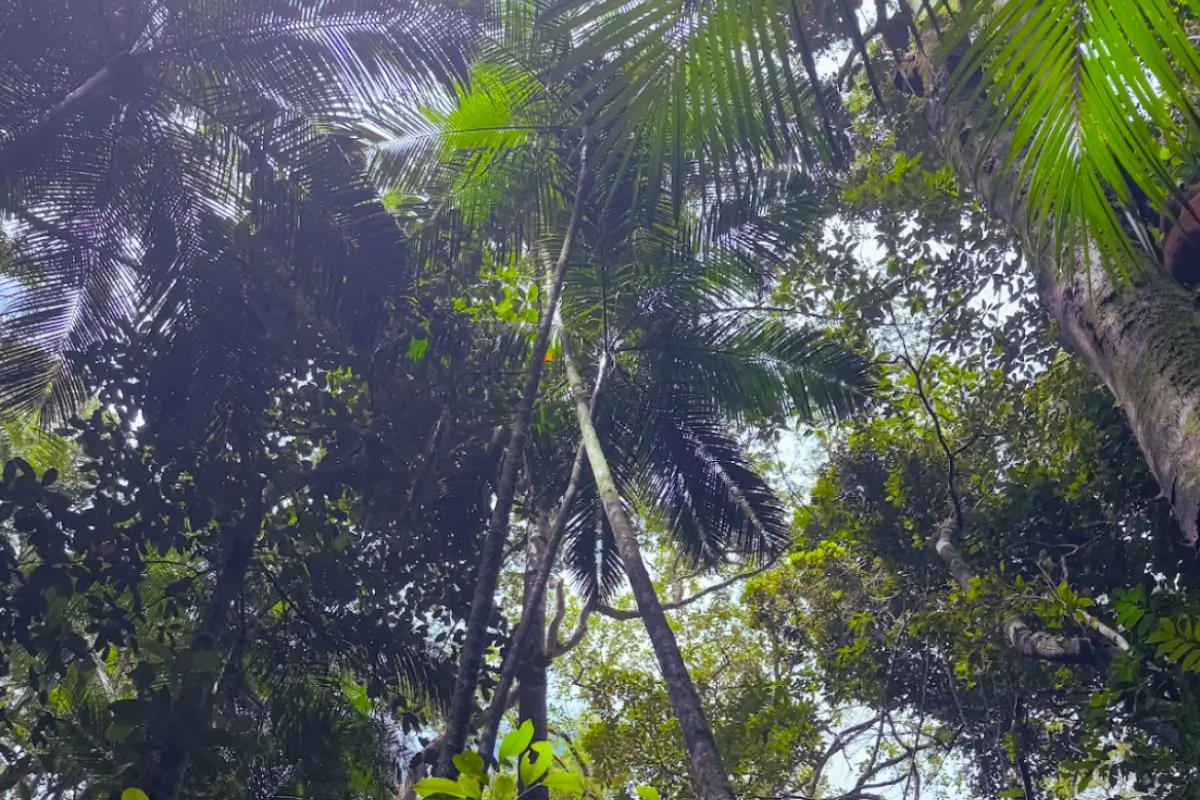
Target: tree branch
<point x="1033" y="644"/>
<point x="556" y="648"/>
<point x="622" y="614"/>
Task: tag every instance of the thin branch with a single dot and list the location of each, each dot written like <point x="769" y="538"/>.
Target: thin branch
<point x="848" y="64"/>
<point x="1038" y="645"/>
<point x="570" y="743"/>
<point x="556" y="648"/>
<point x="951" y="455"/>
<point x="621" y="614"/>
<point x="840" y="742"/>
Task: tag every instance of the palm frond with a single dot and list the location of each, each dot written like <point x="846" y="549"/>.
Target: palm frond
<point x="698" y="84"/>
<point x="590" y="552"/>
<point x="185" y="111"/>
<point x="762" y="366"/>
<point x="686" y="463"/>
<point x="1090" y="91"/>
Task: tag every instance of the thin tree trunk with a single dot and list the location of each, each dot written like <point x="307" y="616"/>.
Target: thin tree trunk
<point x="535" y="597"/>
<point x="483" y="602"/>
<point x="1142" y="341"/>
<point x="532" y="673"/>
<point x="533" y="604"/>
<point x="709" y="778"/>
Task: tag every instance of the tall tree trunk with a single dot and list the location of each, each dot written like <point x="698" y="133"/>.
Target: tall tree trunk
<point x="532" y="673"/>
<point x="535" y="593"/>
<point x="470" y="660"/>
<point x="1142" y="341"/>
<point x="708" y="775"/>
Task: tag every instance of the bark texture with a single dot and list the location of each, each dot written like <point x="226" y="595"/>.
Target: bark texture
<point x="532" y="673"/>
<point x="709" y="778"/>
<point x="1142" y="341"/>
<point x="1037" y="645"/>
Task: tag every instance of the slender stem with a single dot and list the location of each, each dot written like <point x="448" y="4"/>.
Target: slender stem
<point x="618" y="613"/>
<point x="537" y="596"/>
<point x="709" y="778"/>
<point x="483" y="603"/>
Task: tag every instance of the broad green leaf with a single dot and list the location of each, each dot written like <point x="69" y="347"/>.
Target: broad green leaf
<point x="429" y="787"/>
<point x="504" y="788"/>
<point x="535" y="763"/>
<point x="470" y="785"/>
<point x="647" y="793"/>
<point x="562" y="781"/>
<point x="469" y="763"/>
<point x="516" y="741"/>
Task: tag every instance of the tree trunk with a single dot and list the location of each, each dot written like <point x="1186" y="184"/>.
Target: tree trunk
<point x="535" y="597"/>
<point x="470" y="660"/>
<point x="532" y="674"/>
<point x="1142" y="341"/>
<point x="708" y="775"/>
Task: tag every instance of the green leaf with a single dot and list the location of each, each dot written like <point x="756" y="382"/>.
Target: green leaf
<point x="469" y="763"/>
<point x="535" y="763"/>
<point x="129" y="712"/>
<point x="470" y="785"/>
<point x="516" y="741"/>
<point x="117" y="733"/>
<point x="647" y="793"/>
<point x="562" y="781"/>
<point x="504" y="788"/>
<point x="430" y="787"/>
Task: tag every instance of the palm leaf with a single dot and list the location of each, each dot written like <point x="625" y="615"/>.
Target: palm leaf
<point x="685" y="463"/>
<point x="710" y="83"/>
<point x="762" y="366"/>
<point x="191" y="110"/>
<point x="1094" y="96"/>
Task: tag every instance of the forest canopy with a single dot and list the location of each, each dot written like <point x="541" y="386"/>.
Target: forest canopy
<point x="429" y="400"/>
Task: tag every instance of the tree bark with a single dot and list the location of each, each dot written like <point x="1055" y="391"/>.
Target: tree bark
<point x="483" y="602"/>
<point x="532" y="674"/>
<point x="709" y="778"/>
<point x="1142" y="341"/>
<point x="1037" y="645"/>
<point x="535" y="596"/>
